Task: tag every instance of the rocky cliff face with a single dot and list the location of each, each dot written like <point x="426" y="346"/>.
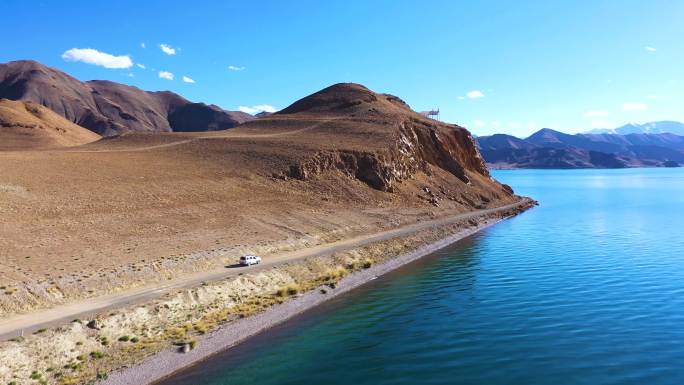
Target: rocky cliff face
<point x="411" y="142"/>
<point x="110" y="108"/>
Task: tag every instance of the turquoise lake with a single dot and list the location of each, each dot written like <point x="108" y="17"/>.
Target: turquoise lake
<point x="587" y="288"/>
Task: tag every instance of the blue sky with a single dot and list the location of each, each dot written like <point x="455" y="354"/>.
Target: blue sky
<point x="492" y="66"/>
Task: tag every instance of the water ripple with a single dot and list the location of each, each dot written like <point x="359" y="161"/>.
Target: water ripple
<point x="586" y="289"/>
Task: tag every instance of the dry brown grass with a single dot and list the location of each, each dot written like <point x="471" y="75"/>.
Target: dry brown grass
<point x="137" y="208"/>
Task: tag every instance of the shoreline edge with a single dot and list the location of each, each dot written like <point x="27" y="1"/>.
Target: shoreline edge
<point x="168" y="362"/>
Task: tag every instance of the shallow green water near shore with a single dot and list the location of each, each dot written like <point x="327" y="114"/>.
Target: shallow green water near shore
<point x="587" y="288"/>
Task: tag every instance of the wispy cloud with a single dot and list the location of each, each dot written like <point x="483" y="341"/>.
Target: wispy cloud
<point x="142" y="45"/>
<point x="166" y="75"/>
<point x="461" y="97"/>
<point x="140" y="65"/>
<point x="650" y="49"/>
<point x="595" y="114"/>
<point x="256" y="109"/>
<point x="514" y="125"/>
<point x="479" y="123"/>
<point x="654" y="97"/>
<point x="634" y="106"/>
<point x="188" y="80"/>
<point x="167" y="49"/>
<point x="95" y="57"/>
<point x="235" y="68"/>
<point x="475" y="94"/>
<point x="601" y="123"/>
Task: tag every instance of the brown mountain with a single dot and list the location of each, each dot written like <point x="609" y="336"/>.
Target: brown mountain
<point x="110" y="108"/>
<point x="26" y="125"/>
<point x="375" y="137"/>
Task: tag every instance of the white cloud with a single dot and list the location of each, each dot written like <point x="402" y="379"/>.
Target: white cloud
<point x="142" y="45"/>
<point x="461" y="97"/>
<point x="496" y="124"/>
<point x="166" y="75"/>
<point x="140" y="65"/>
<point x="130" y="75"/>
<point x="595" y="114"/>
<point x="188" y="80"/>
<point x="601" y="123"/>
<point x="167" y="49"/>
<point x="474" y="94"/>
<point x="650" y="49"/>
<point x="633" y="106"/>
<point x="514" y="125"/>
<point x="235" y="68"/>
<point x="256" y="109"/>
<point x="93" y="56"/>
<point x="480" y="123"/>
<point x="265" y="108"/>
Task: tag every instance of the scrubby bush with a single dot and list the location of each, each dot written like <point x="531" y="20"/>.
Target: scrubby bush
<point x="288" y="290"/>
<point x="200" y="328"/>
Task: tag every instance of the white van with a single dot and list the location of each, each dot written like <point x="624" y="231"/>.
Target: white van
<point x="247" y="260"/>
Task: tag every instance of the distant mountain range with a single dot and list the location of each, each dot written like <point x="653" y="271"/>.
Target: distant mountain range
<point x="662" y="127"/>
<point x="548" y="148"/>
<point x="110" y="108"/>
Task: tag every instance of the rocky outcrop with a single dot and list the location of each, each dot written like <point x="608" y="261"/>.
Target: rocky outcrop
<point x="416" y="143"/>
<point x="380" y="171"/>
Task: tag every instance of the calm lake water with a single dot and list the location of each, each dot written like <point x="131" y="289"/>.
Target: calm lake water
<point x="588" y="288"/>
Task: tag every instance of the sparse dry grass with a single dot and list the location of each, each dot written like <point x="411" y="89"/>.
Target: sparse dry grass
<point x="127" y="336"/>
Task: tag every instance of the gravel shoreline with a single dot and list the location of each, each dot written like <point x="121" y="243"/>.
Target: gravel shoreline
<point x="167" y="362"/>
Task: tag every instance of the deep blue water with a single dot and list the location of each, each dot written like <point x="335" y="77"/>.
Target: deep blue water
<point x="587" y="288"/>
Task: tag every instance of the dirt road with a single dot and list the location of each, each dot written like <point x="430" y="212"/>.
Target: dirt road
<point x="27" y="323"/>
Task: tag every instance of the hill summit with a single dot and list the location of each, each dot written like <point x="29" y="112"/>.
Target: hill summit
<point x="374" y="136"/>
<point x="345" y="98"/>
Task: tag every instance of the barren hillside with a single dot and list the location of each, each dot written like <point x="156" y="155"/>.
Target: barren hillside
<point x="26" y="125"/>
<point x="140" y="207"/>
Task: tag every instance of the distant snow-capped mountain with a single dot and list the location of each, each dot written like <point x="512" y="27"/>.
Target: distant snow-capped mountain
<point x="662" y="127"/>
